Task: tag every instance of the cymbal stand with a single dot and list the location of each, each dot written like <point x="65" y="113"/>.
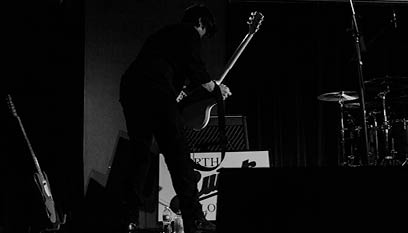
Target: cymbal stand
<point x="375" y="156"/>
<point x="405" y="163"/>
<point x="364" y="156"/>
<point x="389" y="156"/>
<point x="386" y="125"/>
<point x="343" y="160"/>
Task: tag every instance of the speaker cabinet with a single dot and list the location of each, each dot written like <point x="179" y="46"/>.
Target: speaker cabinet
<point x="292" y="200"/>
<point x="207" y="139"/>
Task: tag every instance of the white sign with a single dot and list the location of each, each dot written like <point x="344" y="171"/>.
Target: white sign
<point x="207" y="185"/>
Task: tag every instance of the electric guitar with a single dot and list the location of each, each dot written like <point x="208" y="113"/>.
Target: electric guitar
<point x="196" y="104"/>
<point x="40" y="177"/>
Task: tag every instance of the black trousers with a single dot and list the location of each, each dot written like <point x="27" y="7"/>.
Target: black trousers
<point x="155" y="115"/>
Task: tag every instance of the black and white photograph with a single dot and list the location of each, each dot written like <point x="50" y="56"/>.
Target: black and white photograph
<point x="204" y="116"/>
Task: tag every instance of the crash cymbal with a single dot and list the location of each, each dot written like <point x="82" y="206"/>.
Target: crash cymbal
<point x="338" y="96"/>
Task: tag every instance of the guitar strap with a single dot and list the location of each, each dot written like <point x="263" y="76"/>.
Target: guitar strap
<point x="221" y="129"/>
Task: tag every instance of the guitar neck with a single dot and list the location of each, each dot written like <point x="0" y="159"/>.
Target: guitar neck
<point x="14" y="111"/>
<point x="238" y="51"/>
<point x="36" y="163"/>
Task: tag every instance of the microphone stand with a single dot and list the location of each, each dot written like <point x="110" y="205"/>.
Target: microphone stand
<point x="365" y="154"/>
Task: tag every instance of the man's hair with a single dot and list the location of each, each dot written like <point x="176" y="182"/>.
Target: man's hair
<point x="196" y="11"/>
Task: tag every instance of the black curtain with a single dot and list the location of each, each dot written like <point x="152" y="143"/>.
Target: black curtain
<point x="303" y="50"/>
<point x="43" y="73"/>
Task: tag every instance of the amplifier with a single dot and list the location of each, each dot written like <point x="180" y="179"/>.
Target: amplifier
<point x="207" y="139"/>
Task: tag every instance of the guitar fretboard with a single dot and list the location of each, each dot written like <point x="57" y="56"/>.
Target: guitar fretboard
<point x="14" y="111"/>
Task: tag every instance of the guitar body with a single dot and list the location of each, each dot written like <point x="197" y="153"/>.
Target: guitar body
<point x="197" y="115"/>
<point x="196" y="108"/>
<point x="43" y="185"/>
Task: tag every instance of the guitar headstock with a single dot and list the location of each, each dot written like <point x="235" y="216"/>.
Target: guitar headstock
<point x="255" y="21"/>
<point x="11" y="105"/>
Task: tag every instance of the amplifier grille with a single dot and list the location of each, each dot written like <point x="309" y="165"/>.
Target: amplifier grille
<point x="207" y="139"/>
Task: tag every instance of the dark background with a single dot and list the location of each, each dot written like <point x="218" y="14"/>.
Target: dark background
<point x="43" y="66"/>
<point x="302" y="50"/>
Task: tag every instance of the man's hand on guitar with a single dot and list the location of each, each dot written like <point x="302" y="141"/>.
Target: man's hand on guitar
<point x="225" y="91"/>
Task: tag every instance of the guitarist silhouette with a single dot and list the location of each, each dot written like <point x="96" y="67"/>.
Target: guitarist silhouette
<point x="196" y="104"/>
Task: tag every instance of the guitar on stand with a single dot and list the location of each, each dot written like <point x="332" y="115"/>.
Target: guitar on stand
<point x="40" y="178"/>
<point x="195" y="103"/>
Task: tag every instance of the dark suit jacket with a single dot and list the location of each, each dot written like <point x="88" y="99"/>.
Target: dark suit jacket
<point x="168" y="59"/>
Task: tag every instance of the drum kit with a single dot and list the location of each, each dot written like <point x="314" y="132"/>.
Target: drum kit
<point x="386" y="104"/>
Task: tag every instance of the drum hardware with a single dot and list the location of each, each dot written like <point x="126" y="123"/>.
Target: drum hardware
<point x="405" y="123"/>
<point x="344" y="161"/>
<point x="354" y="134"/>
<point x="352" y="105"/>
<point x="405" y="163"/>
<point x="394" y="83"/>
<point x="374" y="156"/>
<point x="340" y="97"/>
<point x="393" y="152"/>
<point x="386" y="145"/>
<point x="388" y="89"/>
<point x="401" y="133"/>
<point x="359" y="46"/>
<point x="386" y="126"/>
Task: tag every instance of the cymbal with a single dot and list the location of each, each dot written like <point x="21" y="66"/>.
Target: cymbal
<point x="388" y="82"/>
<point x="368" y="104"/>
<point x="352" y="105"/>
<point x="338" y="96"/>
<point x="374" y="104"/>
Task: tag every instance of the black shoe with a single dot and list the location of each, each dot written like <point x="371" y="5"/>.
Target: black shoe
<point x="204" y="226"/>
